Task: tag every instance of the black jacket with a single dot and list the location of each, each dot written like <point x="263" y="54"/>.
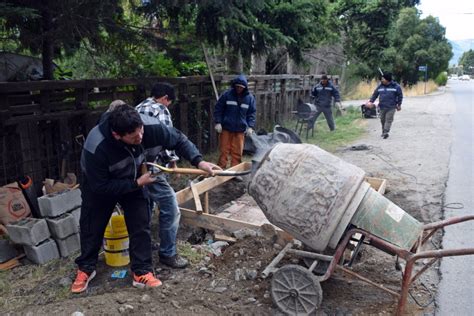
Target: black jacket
<point x="111" y="167"/>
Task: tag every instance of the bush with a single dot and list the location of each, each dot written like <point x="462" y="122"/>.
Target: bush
<point x="441" y="79"/>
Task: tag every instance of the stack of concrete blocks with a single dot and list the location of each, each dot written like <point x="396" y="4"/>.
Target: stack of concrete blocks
<point x="34" y="235"/>
<point x="62" y="213"/>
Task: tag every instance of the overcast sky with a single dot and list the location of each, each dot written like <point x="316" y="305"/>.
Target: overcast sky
<point x="457" y="16"/>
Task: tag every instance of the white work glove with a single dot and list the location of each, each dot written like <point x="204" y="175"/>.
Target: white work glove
<point x="218" y="128"/>
<point x="248" y="131"/>
<point x="339" y="105"/>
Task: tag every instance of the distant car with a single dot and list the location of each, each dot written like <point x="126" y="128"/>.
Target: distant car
<point x="465" y="77"/>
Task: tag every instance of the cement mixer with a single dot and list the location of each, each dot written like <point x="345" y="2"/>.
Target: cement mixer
<point x="325" y="203"/>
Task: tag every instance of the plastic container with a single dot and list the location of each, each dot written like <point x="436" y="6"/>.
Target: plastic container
<point x="116" y="242"/>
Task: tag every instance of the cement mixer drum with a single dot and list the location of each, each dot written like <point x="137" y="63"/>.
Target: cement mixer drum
<point x="307" y="192"/>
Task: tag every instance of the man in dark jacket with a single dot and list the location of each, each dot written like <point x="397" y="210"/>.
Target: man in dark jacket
<point x="234" y="116"/>
<point x="323" y="93"/>
<point x="111" y="158"/>
<point x="390" y="100"/>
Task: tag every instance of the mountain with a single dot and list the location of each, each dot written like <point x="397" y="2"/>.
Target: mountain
<point x="459" y="47"/>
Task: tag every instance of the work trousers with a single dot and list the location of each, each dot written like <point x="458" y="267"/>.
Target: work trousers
<point x="163" y="194"/>
<point x="230" y="143"/>
<point x="386" y="118"/>
<point x="95" y="214"/>
<point x="327" y="114"/>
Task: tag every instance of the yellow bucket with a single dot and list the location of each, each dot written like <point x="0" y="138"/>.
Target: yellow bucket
<point x="116" y="242"/>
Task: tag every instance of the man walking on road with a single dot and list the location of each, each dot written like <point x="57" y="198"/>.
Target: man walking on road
<point x="390" y="100"/>
<point x="162" y="95"/>
<point x="323" y="93"/>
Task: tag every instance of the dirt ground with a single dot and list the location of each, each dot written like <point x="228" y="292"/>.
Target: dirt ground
<point x="414" y="160"/>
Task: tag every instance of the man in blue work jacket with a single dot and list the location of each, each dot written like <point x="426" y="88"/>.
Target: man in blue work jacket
<point x="323" y="93"/>
<point x="390" y="100"/>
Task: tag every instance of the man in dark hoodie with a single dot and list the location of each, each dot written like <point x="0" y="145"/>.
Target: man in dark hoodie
<point x="111" y="158"/>
<point x="390" y="100"/>
<point x="234" y="116"/>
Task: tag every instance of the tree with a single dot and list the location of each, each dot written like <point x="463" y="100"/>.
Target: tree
<point x="416" y="42"/>
<point x="249" y="27"/>
<point x="55" y="26"/>
<point x="467" y="62"/>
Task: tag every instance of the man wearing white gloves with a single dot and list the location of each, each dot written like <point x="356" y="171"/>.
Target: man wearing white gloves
<point x="323" y="93"/>
<point x="234" y="116"/>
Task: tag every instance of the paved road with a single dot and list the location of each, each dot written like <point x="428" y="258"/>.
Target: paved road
<point x="456" y="290"/>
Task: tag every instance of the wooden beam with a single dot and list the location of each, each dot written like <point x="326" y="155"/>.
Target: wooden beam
<point x="209" y="183"/>
<point x="197" y="200"/>
<point x="217" y="223"/>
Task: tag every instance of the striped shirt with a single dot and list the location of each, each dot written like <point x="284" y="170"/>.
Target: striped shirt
<point x="152" y="108"/>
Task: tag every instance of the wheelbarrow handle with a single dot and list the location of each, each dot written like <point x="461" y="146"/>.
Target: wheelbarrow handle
<point x="198" y="171"/>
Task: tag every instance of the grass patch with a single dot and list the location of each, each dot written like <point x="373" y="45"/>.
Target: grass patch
<point x="194" y="255"/>
<point x="349" y="128"/>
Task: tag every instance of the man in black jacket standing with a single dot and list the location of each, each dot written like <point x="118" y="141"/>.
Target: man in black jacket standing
<point x="323" y="94"/>
<point x="111" y="158"/>
<point x="390" y="100"/>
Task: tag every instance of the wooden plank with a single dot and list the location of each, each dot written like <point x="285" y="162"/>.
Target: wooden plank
<point x="217" y="223"/>
<point x="197" y="200"/>
<point x="224" y="238"/>
<point x="377" y="184"/>
<point x="209" y="183"/>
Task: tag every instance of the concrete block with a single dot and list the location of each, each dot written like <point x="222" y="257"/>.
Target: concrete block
<point x="69" y="245"/>
<point x="77" y="215"/>
<point x="28" y="231"/>
<point x="62" y="226"/>
<point x="53" y="205"/>
<point x="42" y="253"/>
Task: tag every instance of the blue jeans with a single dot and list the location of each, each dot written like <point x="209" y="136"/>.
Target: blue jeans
<point x="163" y="194"/>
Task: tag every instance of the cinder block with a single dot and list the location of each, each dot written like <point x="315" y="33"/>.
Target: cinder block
<point x="53" y="205"/>
<point x="62" y="226"/>
<point x="7" y="251"/>
<point x="69" y="245"/>
<point x="42" y="253"/>
<point x="28" y="231"/>
<point x="77" y="216"/>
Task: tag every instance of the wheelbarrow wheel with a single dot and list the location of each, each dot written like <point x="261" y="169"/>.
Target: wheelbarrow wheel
<point x="295" y="290"/>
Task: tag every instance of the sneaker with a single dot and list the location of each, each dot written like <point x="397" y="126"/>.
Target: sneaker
<point x="175" y="261"/>
<point x="82" y="281"/>
<point x="145" y="281"/>
<point x="385" y="136"/>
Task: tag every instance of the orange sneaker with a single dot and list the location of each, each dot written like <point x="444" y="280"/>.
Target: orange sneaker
<point x="145" y="280"/>
<point x="82" y="281"/>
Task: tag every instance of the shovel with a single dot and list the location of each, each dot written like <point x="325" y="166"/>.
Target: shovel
<point x="199" y="171"/>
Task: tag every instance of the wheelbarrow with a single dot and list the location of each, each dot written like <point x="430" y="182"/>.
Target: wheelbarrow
<point x="325" y="204"/>
<point x="296" y="290"/>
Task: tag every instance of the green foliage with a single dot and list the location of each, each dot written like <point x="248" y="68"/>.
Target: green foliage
<point x="348" y="129"/>
<point x="467" y="62"/>
<point x="441" y="79"/>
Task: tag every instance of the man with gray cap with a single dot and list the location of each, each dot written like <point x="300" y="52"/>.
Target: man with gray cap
<point x="323" y="93"/>
<point x="390" y="100"/>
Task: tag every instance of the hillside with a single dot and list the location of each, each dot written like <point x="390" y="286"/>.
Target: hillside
<point x="459" y="47"/>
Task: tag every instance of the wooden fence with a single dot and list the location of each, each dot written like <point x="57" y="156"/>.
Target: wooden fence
<point x="43" y="124"/>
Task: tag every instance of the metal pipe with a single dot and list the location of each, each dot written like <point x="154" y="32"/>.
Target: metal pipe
<point x="368" y="281"/>
<point x="271" y="267"/>
<point x="310" y="255"/>
<point x="449" y="221"/>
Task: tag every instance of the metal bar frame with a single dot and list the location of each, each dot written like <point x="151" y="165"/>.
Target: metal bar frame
<point x="410" y="257"/>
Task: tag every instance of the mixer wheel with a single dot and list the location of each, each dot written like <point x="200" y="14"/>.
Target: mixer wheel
<point x="295" y="290"/>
